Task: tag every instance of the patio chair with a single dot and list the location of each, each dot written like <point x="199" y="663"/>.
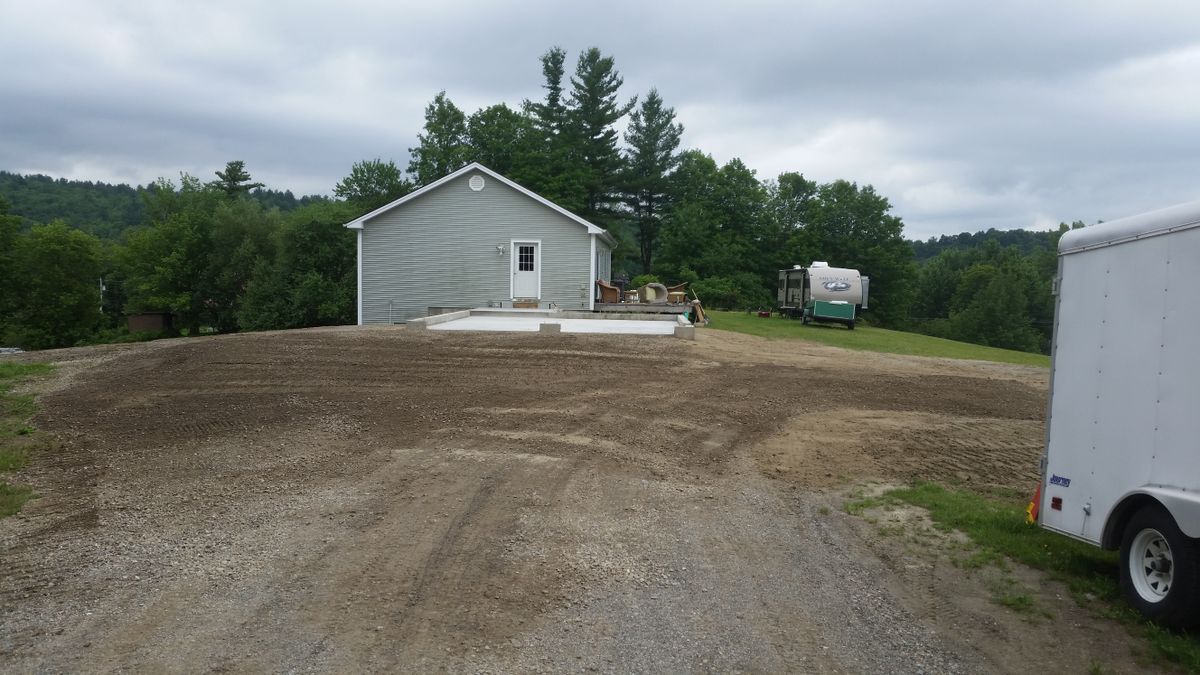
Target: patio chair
<point x="608" y="292"/>
<point x="677" y="294"/>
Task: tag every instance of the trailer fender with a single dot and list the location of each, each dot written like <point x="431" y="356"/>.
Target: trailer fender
<point x="1183" y="505"/>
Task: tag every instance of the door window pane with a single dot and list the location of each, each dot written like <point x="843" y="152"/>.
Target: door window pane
<point x="525" y="258"/>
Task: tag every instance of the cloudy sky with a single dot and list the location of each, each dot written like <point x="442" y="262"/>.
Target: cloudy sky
<point x="966" y="115"/>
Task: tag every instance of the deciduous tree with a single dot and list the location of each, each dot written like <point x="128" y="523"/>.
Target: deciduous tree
<point x="371" y="184"/>
<point x="241" y="233"/>
<point x="851" y="226"/>
<point x="502" y="139"/>
<point x="166" y="262"/>
<point x="442" y="147"/>
<point x="714" y="224"/>
<point x="57" y="279"/>
<point x="312" y="281"/>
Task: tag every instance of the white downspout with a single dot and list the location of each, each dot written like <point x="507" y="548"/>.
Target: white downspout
<point x="360" y="263"/>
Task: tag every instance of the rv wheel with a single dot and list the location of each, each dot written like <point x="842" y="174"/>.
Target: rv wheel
<point x="1160" y="569"/>
<point x="850" y="325"/>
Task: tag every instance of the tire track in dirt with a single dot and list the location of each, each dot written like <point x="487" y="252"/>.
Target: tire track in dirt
<point x="849" y="445"/>
<point x="447" y="546"/>
<point x="376" y="498"/>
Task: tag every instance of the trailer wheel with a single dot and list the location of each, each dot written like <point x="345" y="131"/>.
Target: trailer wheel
<point x="1160" y="569"/>
<point x="850" y="325"/>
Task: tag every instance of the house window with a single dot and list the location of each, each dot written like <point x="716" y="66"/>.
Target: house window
<point x="524" y="258"/>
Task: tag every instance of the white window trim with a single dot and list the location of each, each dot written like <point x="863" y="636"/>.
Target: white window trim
<point x="512" y="264"/>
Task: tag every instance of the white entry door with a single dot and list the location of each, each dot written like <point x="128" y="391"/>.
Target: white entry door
<point x="526" y="270"/>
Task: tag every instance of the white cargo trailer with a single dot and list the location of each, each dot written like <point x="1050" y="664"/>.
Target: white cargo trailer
<point x="1122" y="462"/>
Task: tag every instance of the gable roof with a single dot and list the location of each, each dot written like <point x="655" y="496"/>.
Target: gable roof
<point x="357" y="223"/>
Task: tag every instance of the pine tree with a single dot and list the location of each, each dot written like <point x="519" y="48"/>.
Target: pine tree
<point x="235" y="180"/>
<point x="592" y="110"/>
<point x="550" y="115"/>
<point x="557" y="173"/>
<point x="653" y="138"/>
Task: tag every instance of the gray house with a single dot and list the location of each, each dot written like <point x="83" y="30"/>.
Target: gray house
<point x="475" y="239"/>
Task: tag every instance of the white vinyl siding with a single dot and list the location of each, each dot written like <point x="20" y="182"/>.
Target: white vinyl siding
<point x="452" y="247"/>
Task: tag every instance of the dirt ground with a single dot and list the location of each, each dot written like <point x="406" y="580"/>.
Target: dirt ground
<point x="340" y="500"/>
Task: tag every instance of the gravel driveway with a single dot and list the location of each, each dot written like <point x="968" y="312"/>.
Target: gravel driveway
<point x="375" y="499"/>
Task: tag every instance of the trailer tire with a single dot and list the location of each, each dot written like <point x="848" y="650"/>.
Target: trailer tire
<point x="850" y="325"/>
<point x="1160" y="569"/>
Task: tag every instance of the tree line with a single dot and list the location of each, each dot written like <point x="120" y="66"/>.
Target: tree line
<point x="210" y="253"/>
<point x="229" y="254"/>
<point x="992" y="288"/>
<point x="99" y="208"/>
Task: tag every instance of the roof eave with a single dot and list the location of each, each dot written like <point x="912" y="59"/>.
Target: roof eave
<point x="357" y="223"/>
<point x="605" y="235"/>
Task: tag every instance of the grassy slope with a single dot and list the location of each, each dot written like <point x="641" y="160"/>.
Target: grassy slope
<point x="997" y="524"/>
<point x="16" y="436"/>
<point x="869" y="339"/>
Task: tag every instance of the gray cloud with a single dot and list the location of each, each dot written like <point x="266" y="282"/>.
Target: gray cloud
<point x="965" y="115"/>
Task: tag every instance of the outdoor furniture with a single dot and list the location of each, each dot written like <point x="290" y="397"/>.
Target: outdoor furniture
<point x="677" y="294"/>
<point x="653" y="293"/>
<point x="608" y="292"/>
<point x="632" y="296"/>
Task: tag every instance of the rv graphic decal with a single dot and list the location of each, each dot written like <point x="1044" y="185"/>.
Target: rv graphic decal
<point x="836" y="285"/>
<point x="1060" y="480"/>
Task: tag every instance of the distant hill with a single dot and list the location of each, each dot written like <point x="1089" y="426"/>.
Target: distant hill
<point x="100" y="208"/>
<point x="1026" y="241"/>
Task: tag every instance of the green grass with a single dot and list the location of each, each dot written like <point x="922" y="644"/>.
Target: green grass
<point x="858" y="506"/>
<point x="867" y="338"/>
<point x="12" y="372"/>
<point x="12" y="498"/>
<point x="997" y="526"/>
<point x="16" y="435"/>
<point x="1021" y="603"/>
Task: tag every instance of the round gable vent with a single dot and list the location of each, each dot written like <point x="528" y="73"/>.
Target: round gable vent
<point x="476" y="183"/>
